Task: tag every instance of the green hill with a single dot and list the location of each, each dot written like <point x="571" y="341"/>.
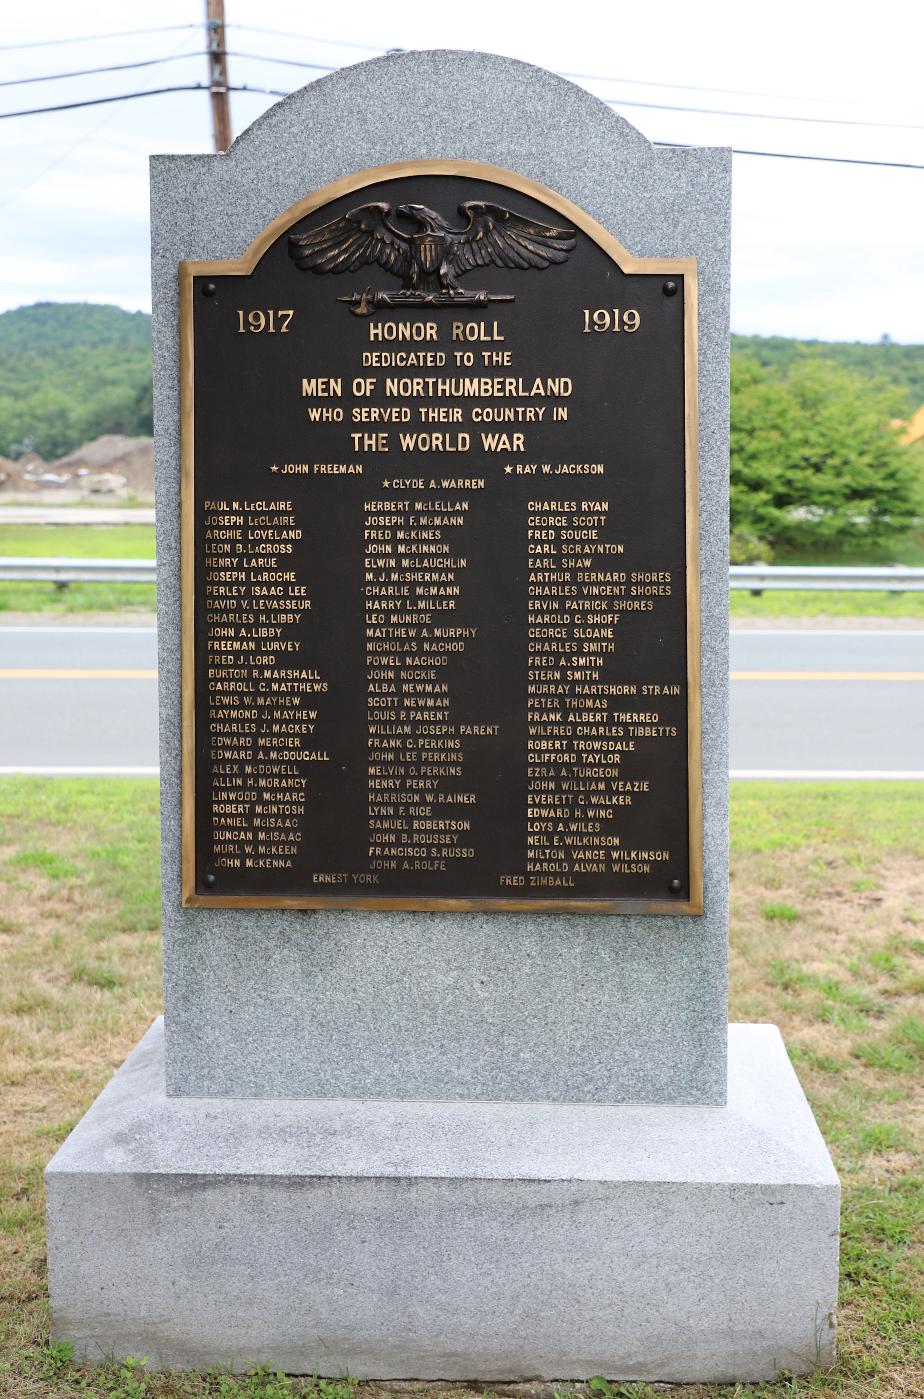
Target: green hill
<point x="899" y="365"/>
<point x="70" y="371"/>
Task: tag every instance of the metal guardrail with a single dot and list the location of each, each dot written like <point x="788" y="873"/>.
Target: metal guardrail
<point x="63" y="571"/>
<point x="755" y="578"/>
<point x="758" y="578"/>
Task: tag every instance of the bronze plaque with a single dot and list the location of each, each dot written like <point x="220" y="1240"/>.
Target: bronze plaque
<point x="440" y="557"/>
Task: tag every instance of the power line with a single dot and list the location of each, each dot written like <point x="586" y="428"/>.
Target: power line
<point x="148" y="92"/>
<point x="585" y="77"/>
<point x="760" y="116"/>
<point x="276" y="92"/>
<point x="91" y="72"/>
<point x="610" y="101"/>
<point x="694" y="87"/>
<point x="631" y="102"/>
<point x="349" y="43"/>
<point x="154" y="62"/>
<point x="91" y="38"/>
<point x="287" y="62"/>
<point x="312" y="38"/>
<point x="795" y="155"/>
<point x="382" y="48"/>
<point x="100" y="101"/>
<point x="87" y="134"/>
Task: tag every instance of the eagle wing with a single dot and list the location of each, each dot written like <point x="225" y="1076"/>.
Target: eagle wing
<point x="499" y="236"/>
<point x="361" y="236"/>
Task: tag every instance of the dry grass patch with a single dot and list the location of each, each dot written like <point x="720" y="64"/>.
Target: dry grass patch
<point x="65" y="914"/>
<point x="844" y="980"/>
<point x="827" y="942"/>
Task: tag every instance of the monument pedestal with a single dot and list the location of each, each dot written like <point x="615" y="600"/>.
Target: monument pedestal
<point x="449" y="1240"/>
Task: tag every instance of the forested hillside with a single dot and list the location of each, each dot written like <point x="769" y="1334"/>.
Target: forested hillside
<point x="901" y="365"/>
<point x="69" y="372"/>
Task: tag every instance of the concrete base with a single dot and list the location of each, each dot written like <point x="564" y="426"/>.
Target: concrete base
<point x="434" y="1240"/>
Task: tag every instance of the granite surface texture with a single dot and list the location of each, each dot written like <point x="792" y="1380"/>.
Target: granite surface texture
<point x="477" y="1006"/>
<point x="449" y="1240"/>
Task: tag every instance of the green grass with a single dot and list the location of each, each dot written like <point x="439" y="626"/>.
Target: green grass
<point x="50" y="863"/>
<point x="883" y="1136"/>
<point x="792" y="816"/>
<point x="779" y="603"/>
<point x="130" y="598"/>
<point x="864" y="884"/>
<point x="887" y="962"/>
<point x="80" y="981"/>
<point x="780" y="913"/>
<point x="790" y="977"/>
<point x="79" y="542"/>
<point x="103" y="977"/>
<point x="894" y="1058"/>
<point x="110" y="846"/>
<point x="129" y="1380"/>
<point x="910" y="1032"/>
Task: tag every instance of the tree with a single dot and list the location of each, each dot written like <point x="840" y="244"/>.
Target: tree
<point x="901" y="365"/>
<point x="70" y="372"/>
<point x="816" y="461"/>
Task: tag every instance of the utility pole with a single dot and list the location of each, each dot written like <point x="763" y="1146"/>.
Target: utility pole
<point x="218" y="73"/>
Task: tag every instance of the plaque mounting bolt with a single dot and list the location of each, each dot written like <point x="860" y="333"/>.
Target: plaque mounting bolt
<point x="669" y="289"/>
<point x="675" y="886"/>
<point x="209" y="289"/>
<point x="209" y="881"/>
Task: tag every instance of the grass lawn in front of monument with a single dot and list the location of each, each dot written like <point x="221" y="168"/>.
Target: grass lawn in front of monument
<point x="827" y="889"/>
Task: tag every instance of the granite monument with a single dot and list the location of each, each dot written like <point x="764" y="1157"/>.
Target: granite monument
<point x="444" y="1124"/>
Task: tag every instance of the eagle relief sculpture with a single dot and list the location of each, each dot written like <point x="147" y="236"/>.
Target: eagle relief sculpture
<point x="432" y="258"/>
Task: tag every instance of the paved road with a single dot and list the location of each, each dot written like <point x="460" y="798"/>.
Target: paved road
<point x="76" y="698"/>
<point x="804" y="703"/>
<point x="801" y="702"/>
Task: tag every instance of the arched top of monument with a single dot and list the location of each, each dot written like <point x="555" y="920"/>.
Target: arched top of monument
<point x="443" y="104"/>
<point x="460" y="98"/>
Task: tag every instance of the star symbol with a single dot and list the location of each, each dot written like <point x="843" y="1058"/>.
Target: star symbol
<point x="386" y="484"/>
<point x="508" y="470"/>
<point x="274" y="467"/>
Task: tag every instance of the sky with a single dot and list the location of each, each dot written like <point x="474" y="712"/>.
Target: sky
<point x="820" y="250"/>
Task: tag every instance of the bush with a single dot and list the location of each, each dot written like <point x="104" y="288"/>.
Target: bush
<point x="816" y="461"/>
<point x="744" y="547"/>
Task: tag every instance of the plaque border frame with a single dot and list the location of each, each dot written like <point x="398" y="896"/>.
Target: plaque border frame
<point x="243" y="266"/>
